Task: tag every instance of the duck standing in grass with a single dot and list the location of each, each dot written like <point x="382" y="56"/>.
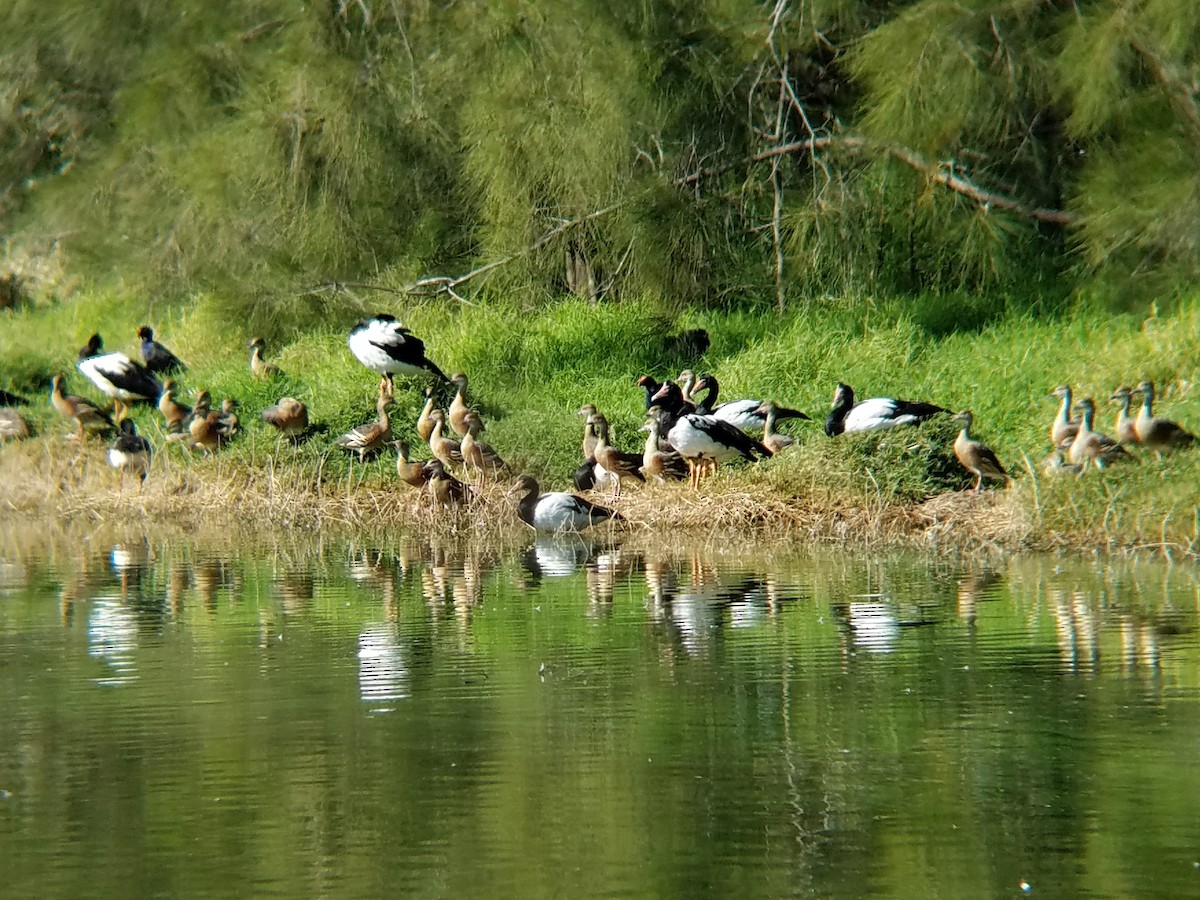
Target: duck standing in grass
<point x="976" y="458"/>
<point x="1126" y="425"/>
<point x="772" y="439"/>
<point x="385" y="346"/>
<point x="659" y="463"/>
<point x="875" y="414"/>
<point x="289" y="415"/>
<point x="618" y="464"/>
<point x="425" y="419"/>
<point x="557" y="510"/>
<point x="259" y="367"/>
<point x="157" y="357"/>
<point x="130" y="452"/>
<point x="85" y="414"/>
<point x="1156" y="433"/>
<point x="1089" y="445"/>
<point x="412" y="473"/>
<point x="369" y="438"/>
<point x="478" y="456"/>
<point x="446" y="490"/>
<point x="174" y="412"/>
<point x="1063" y="429"/>
<point x="446" y="450"/>
<point x="118" y="376"/>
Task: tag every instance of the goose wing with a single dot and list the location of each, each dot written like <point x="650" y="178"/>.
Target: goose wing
<point x="119" y="376"/>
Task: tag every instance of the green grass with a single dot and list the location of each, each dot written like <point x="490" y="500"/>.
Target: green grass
<point x="530" y="372"/>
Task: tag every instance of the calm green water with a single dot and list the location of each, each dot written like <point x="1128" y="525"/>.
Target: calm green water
<point x="570" y="720"/>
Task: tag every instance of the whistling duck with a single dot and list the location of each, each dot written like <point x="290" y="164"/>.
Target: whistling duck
<point x="122" y="379"/>
<point x="477" y="455"/>
<point x="367" y="439"/>
<point x="1092" y="446"/>
<point x="619" y="465"/>
<point x="425" y="420"/>
<point x="650" y="386"/>
<point x="659" y="463"/>
<point x="85" y="414"/>
<point x="976" y="458"/>
<point x="172" y="410"/>
<point x="205" y="431"/>
<point x="157" y="357"/>
<point x="588" y="411"/>
<point x="444" y="488"/>
<point x="1054" y="464"/>
<point x="688" y="385"/>
<point x="458" y="409"/>
<point x="748" y="415"/>
<point x="1158" y="434"/>
<point x="289" y="415"/>
<point x="411" y="473"/>
<point x="1064" y="429"/>
<point x="227" y="422"/>
<point x="130" y="452"/>
<point x="1126" y="427"/>
<point x="874" y="414"/>
<point x="772" y="439"/>
<point x="385" y="346"/>
<point x="259" y="367"/>
<point x="704" y="441"/>
<point x="13" y="426"/>
<point x="557" y="510"/>
<point x="445" y="449"/>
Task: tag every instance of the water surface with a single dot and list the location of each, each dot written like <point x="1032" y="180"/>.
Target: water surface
<point x="431" y="718"/>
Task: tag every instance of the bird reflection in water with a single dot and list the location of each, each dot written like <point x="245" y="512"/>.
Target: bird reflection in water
<point x="113" y="619"/>
<point x="382" y="670"/>
<point x="972" y="587"/>
<point x="1076" y="629"/>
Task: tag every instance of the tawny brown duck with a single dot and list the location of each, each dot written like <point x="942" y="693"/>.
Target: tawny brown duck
<point x="588" y="411"/>
<point x="977" y="458"/>
<point x="445" y="490"/>
<point x="411" y="473"/>
<point x="659" y="463"/>
<point x="205" y="432"/>
<point x="1063" y="429"/>
<point x="86" y="415"/>
<point x="1089" y="445"/>
<point x="289" y="415"/>
<point x="772" y="439"/>
<point x="478" y="457"/>
<point x="425" y="419"/>
<point x="619" y="465"/>
<point x="174" y="412"/>
<point x="458" y="406"/>
<point x="259" y="367"/>
<point x="371" y="437"/>
<point x="1126" y="426"/>
<point x="1157" y="433"/>
<point x="445" y="449"/>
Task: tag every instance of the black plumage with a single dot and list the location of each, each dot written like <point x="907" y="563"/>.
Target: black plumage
<point x="157" y="357"/>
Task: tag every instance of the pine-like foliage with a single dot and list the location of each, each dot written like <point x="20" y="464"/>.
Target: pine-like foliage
<point x="712" y="152"/>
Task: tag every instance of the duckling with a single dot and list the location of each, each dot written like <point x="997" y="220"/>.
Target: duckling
<point x="424" y="421"/>
<point x="85" y="414"/>
<point x="619" y="465"/>
<point x="367" y="439"/>
<point x="447" y="450"/>
<point x="130" y="452"/>
<point x="172" y="410"/>
<point x="557" y="510"/>
<point x="411" y="473"/>
<point x="1092" y="446"/>
<point x="445" y="490"/>
<point x="458" y="406"/>
<point x="1064" y="428"/>
<point x="659" y="463"/>
<point x="773" y="440"/>
<point x="289" y="415"/>
<point x="1158" y="434"/>
<point x="976" y="458"/>
<point x="1126" y="427"/>
<point x="475" y="453"/>
<point x="259" y="367"/>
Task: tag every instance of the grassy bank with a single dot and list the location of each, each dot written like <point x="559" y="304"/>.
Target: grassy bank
<point x="530" y="371"/>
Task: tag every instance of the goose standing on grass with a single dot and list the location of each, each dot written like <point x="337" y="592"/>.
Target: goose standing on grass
<point x="1126" y="425"/>
<point x="1089" y="445"/>
<point x="557" y="510"/>
<point x="157" y="357"/>
<point x="976" y="458"/>
<point x="289" y="415"/>
<point x="86" y="415"/>
<point x="92" y="348"/>
<point x="130" y="452"/>
<point x="648" y="384"/>
<point x="875" y="414"/>
<point x="704" y="441"/>
<point x="385" y="346"/>
<point x="122" y="379"/>
<point x="748" y="415"/>
<point x="1158" y="434"/>
<point x="369" y="438"/>
<point x="1064" y="428"/>
<point x="259" y="367"/>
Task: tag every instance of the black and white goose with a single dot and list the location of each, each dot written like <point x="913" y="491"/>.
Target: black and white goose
<point x="874" y="414"/>
<point x="130" y="452"/>
<point x="558" y="510"/>
<point x="704" y="441"/>
<point x="385" y="346"/>
<point x="748" y="415"/>
<point x="157" y="357"/>
<point x="119" y="377"/>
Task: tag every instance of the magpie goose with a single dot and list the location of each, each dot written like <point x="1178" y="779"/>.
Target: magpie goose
<point x="748" y="415"/>
<point x="557" y="510"/>
<point x="976" y="458"/>
<point x="874" y="414"/>
<point x="130" y="452"/>
<point x="704" y="441"/>
<point x="157" y="357"/>
<point x="650" y="386"/>
<point x="120" y="377"/>
<point x="385" y="346"/>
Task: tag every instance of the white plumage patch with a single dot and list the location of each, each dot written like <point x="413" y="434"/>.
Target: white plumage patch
<point x="875" y="414"/>
<point x="560" y="511"/>
<point x="383" y="346"/>
<point x="119" y="377"/>
<point x="692" y="440"/>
